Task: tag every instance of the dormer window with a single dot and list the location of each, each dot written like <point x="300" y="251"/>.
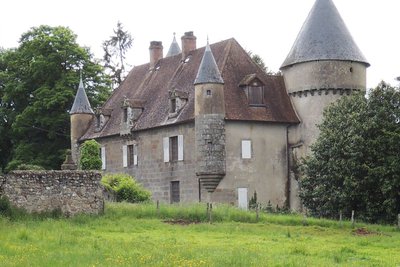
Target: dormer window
<point x="132" y="109"/>
<point x="102" y="116"/>
<point x="254" y="90"/>
<point x="177" y="101"/>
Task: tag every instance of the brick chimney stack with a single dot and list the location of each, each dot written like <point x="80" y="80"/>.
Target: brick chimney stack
<point x="156" y="52"/>
<point x="188" y="43"/>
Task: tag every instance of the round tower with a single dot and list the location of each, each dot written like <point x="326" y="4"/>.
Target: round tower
<point x="323" y="64"/>
<point x="81" y="114"/>
<point x="209" y="115"/>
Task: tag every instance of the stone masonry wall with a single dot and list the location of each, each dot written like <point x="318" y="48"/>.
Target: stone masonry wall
<point x="73" y="192"/>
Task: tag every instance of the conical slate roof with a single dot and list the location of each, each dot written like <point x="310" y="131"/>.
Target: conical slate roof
<point x="81" y="103"/>
<point x="324" y="36"/>
<point x="208" y="70"/>
<point x="174" y="49"/>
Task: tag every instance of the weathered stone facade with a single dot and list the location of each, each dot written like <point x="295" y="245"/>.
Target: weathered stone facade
<point x="210" y="149"/>
<point x="72" y="192"/>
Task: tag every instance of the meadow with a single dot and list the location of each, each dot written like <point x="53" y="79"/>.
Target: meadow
<point x="141" y="235"/>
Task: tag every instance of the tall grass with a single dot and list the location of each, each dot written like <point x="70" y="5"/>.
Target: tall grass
<point x="197" y="213"/>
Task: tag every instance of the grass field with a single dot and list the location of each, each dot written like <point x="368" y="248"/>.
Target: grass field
<point x="138" y="235"/>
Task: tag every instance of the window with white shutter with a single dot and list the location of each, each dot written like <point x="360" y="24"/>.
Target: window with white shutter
<point x="180" y="147"/>
<point x="246" y="149"/>
<point x="103" y="158"/>
<point x="166" y="149"/>
<point x="124" y="156"/>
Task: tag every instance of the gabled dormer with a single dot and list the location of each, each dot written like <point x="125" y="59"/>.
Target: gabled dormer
<point x="131" y="111"/>
<point x="102" y="117"/>
<point x="177" y="101"/>
<point x="254" y="89"/>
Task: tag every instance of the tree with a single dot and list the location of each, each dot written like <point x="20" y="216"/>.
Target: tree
<point x="260" y="62"/>
<point x="90" y="156"/>
<point x="355" y="162"/>
<point x="39" y="82"/>
<point x="115" y="50"/>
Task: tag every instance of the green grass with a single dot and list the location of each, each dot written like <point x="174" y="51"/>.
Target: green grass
<point x="136" y="235"/>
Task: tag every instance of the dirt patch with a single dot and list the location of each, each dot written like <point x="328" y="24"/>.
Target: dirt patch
<point x="181" y="222"/>
<point x="364" y="232"/>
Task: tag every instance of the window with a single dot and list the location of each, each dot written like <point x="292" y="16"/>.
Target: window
<point x="103" y="158"/>
<point x="246" y="149"/>
<point x="175" y="192"/>
<point x="173" y="105"/>
<point x="129" y="155"/>
<point x="208" y="92"/>
<point x="125" y="114"/>
<point x="256" y="95"/>
<point x="173" y="148"/>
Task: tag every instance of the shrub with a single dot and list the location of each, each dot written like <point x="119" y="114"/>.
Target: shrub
<point x="5" y="207"/>
<point x="125" y="188"/>
<point x="90" y="156"/>
<point x="30" y="167"/>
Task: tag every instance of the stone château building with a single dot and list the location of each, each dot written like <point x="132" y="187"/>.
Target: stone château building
<point x="207" y="124"/>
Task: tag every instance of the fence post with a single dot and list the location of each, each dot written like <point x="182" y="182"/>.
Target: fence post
<point x="340" y="219"/>
<point x="352" y="219"/>
<point x="304" y="219"/>
<point x="210" y="214"/>
<point x="398" y="221"/>
<point x="257" y="212"/>
<point x="158" y="208"/>
<point x="208" y="210"/>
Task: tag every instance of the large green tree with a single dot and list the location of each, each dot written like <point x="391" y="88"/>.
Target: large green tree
<point x="355" y="163"/>
<point x="38" y="83"/>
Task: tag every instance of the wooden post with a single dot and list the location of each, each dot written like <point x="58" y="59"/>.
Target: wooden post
<point x="210" y="214"/>
<point x="208" y="210"/>
<point x="398" y="221"/>
<point x="158" y="208"/>
<point x="352" y="219"/>
<point x="257" y="212"/>
<point x="340" y="219"/>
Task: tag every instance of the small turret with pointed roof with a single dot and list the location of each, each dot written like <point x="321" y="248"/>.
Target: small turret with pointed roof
<point x="324" y="36"/>
<point x="174" y="49"/>
<point x="81" y="115"/>
<point x="208" y="71"/>
<point x="209" y="122"/>
<point x="81" y="103"/>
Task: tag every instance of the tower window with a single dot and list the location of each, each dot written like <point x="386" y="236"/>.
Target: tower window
<point x="208" y="92"/>
<point x="125" y="114"/>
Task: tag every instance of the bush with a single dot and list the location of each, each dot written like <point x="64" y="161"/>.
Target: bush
<point x="125" y="188"/>
<point x="30" y="167"/>
<point x="90" y="156"/>
<point x="5" y="207"/>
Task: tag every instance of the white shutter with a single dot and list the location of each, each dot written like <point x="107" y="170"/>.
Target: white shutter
<point x="125" y="156"/>
<point x="103" y="158"/>
<point x="135" y="155"/>
<point x="242" y="198"/>
<point x="166" y="149"/>
<point x="246" y="149"/>
<point x="180" y="147"/>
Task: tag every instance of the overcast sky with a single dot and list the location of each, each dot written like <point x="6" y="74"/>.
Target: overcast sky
<point x="266" y="27"/>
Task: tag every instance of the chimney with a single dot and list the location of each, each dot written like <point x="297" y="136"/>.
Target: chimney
<point x="156" y="52"/>
<point x="188" y="44"/>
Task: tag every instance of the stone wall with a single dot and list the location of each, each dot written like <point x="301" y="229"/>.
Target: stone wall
<point x="72" y="192"/>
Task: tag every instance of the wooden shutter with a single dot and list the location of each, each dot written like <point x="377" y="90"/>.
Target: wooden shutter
<point x="135" y="155"/>
<point x="246" y="149"/>
<point x="166" y="149"/>
<point x="180" y="147"/>
<point x="103" y="158"/>
<point x="125" y="156"/>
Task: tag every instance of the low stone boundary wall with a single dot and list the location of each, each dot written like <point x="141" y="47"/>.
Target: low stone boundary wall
<point x="72" y="192"/>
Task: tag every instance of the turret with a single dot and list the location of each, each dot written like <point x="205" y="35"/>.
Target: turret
<point x="323" y="64"/>
<point x="209" y="122"/>
<point x="174" y="49"/>
<point x="81" y="114"/>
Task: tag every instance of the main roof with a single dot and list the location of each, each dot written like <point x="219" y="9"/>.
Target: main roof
<point x="152" y="88"/>
<point x="81" y="102"/>
<point x="324" y="36"/>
